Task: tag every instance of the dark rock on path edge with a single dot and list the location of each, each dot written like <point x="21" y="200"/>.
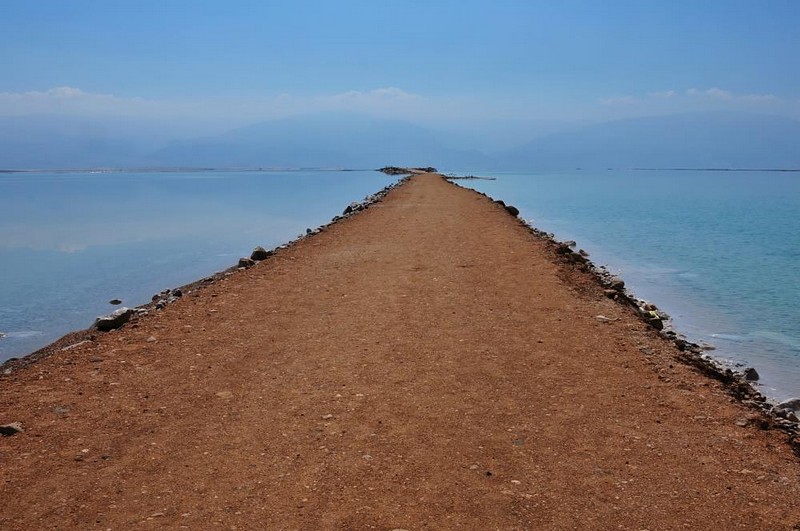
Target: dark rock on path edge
<point x="113" y="320"/>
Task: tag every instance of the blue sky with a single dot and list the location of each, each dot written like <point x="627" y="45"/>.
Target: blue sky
<point x="439" y="61"/>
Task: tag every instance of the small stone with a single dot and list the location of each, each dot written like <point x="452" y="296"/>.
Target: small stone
<point x="610" y="293"/>
<point x="514" y="211"/>
<point x="473" y="467"/>
<point x="7" y="430"/>
<point x="327" y="417"/>
<point x="603" y="318"/>
<point x="741" y="422"/>
<point x="177" y="292"/>
<point x="152" y="339"/>
<point x="616" y="283"/>
<point x="516" y="482"/>
<point x="225" y="395"/>
<point x="115" y="302"/>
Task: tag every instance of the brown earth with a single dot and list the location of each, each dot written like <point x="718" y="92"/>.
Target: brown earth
<point x="426" y="364"/>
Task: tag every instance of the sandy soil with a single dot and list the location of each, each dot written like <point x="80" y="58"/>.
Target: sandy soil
<point x="426" y="364"/>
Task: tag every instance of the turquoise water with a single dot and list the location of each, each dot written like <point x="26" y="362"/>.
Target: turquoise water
<point x="719" y="251"/>
<point x="70" y="242"/>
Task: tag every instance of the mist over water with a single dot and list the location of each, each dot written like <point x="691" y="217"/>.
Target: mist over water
<point x="718" y="251"/>
<point x="70" y="242"/>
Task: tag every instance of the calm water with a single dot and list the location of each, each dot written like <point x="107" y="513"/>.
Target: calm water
<point x="719" y="251"/>
<point x="70" y="242"/>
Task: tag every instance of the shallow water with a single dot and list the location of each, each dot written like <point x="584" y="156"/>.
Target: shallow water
<point x="70" y="242"/>
<point x="719" y="251"/>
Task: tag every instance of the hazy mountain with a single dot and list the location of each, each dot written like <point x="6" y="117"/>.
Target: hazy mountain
<point x="701" y="140"/>
<point x="349" y="140"/>
<point x="47" y="141"/>
<point x="344" y="140"/>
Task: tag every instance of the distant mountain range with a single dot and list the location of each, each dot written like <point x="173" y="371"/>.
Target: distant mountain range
<point x="348" y="140"/>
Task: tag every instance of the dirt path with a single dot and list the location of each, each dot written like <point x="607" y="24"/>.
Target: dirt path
<point x="422" y="365"/>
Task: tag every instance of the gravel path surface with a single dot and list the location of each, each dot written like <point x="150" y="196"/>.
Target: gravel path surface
<point x="425" y="364"/>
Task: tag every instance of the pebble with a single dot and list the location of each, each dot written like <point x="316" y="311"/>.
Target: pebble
<point x="327" y="417"/>
<point x="473" y="467"/>
<point x="7" y="430"/>
<point x="152" y="339"/>
<point x="225" y="394"/>
<point x="603" y="318"/>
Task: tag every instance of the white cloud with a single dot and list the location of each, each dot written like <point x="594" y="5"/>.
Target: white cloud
<point x="380" y="99"/>
<point x="68" y="100"/>
<point x="726" y="95"/>
<point x="75" y="101"/>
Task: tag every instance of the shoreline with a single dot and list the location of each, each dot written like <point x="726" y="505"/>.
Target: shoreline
<point x="396" y="355"/>
<point x="738" y="383"/>
<point x="159" y="300"/>
<point x="730" y="351"/>
<point x="741" y="384"/>
<point x="692" y="354"/>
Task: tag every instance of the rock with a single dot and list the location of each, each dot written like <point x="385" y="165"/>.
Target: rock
<point x="750" y="374"/>
<point x="563" y="248"/>
<point x="152" y="339"/>
<point x="656" y="323"/>
<point x="583" y="253"/>
<point x="352" y="207"/>
<point x="115" y="302"/>
<point x="246" y="262"/>
<point x="113" y="320"/>
<point x="514" y="211"/>
<point x="259" y="253"/>
<point x="7" y="430"/>
<point x="309" y="231"/>
<point x="177" y="292"/>
<point x="616" y="283"/>
<point x="610" y="293"/>
<point x="603" y="318"/>
<point x="792" y="404"/>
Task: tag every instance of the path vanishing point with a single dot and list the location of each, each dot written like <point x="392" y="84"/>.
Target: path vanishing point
<point x="425" y="364"/>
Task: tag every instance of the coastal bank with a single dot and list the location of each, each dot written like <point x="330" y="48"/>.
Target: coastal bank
<point x="430" y="362"/>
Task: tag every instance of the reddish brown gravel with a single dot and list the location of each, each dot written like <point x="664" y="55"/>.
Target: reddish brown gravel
<point x="426" y="364"/>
